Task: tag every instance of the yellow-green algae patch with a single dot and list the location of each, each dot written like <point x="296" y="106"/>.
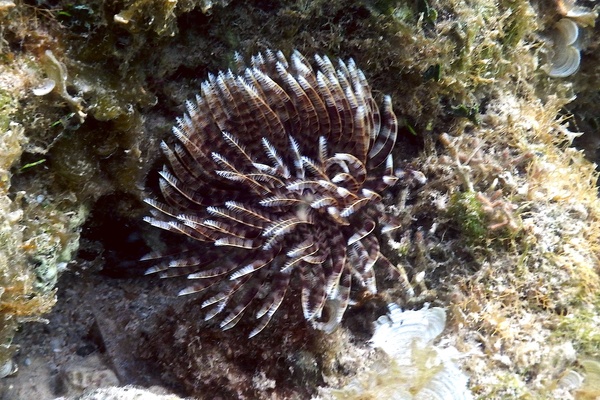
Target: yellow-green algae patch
<point x="513" y="304"/>
<point x="159" y="15"/>
<point x="38" y="232"/>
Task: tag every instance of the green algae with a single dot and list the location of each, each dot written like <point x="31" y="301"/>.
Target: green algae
<point x="466" y="211"/>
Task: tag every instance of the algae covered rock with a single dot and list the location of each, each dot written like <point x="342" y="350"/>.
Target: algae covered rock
<point x="38" y="235"/>
<point x="16" y="284"/>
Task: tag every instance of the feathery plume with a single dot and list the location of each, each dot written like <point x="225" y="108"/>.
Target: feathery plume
<point x="279" y="167"/>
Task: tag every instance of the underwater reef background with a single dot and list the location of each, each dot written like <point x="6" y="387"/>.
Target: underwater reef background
<point x="497" y="106"/>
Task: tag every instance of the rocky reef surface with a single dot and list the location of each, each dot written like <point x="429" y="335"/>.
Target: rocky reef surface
<point x="497" y="252"/>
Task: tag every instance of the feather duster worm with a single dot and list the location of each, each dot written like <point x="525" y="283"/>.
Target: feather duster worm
<point x="279" y="168"/>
